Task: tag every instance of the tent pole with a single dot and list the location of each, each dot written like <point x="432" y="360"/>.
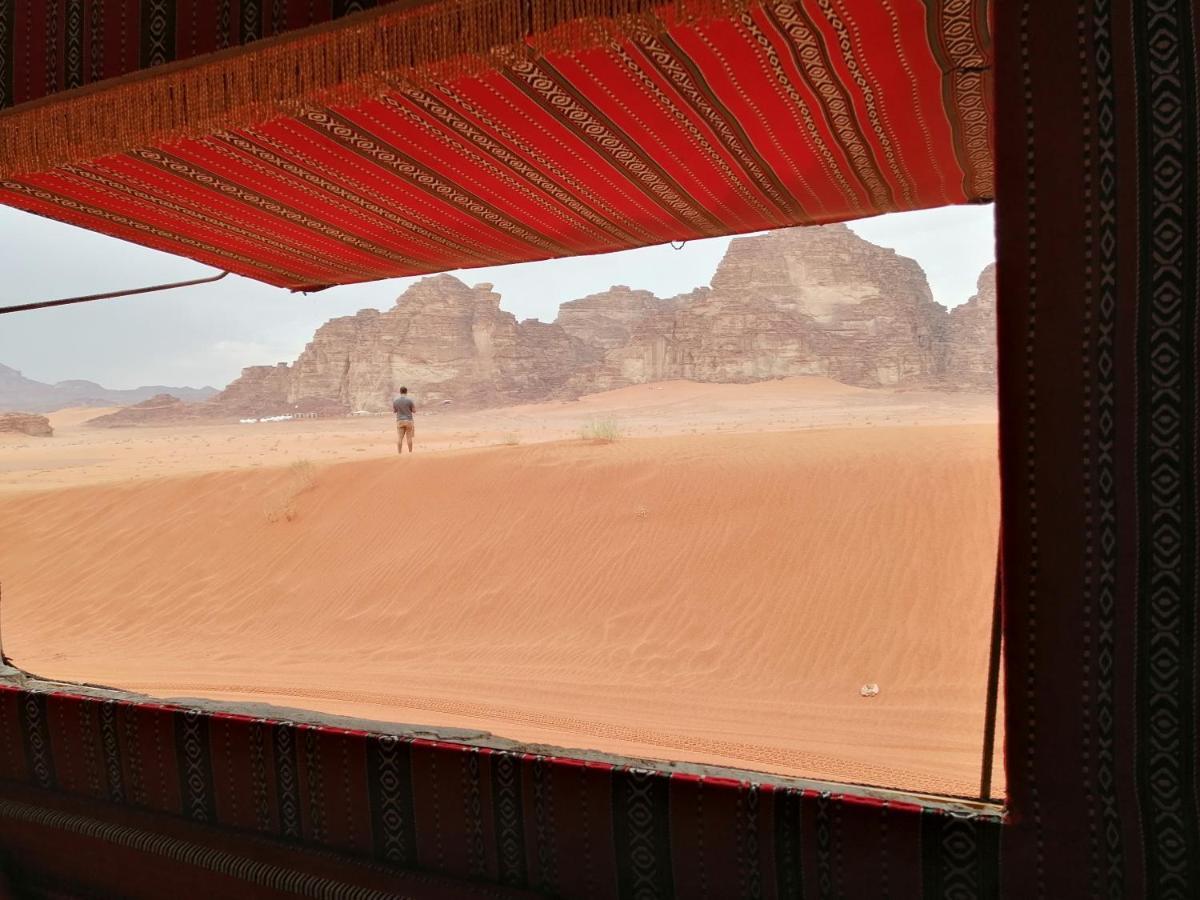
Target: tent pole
<point x="45" y="304"/>
<point x="993" y="687"/>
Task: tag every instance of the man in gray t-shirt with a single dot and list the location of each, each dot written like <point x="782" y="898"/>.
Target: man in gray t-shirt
<point x="404" y="408"/>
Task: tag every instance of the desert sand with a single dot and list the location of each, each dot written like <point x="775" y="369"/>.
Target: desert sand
<point x="714" y="586"/>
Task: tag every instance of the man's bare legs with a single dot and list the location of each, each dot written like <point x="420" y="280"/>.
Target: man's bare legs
<point x="402" y="429"/>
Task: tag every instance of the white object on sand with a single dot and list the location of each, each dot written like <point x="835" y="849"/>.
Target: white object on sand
<point x="870" y="689"/>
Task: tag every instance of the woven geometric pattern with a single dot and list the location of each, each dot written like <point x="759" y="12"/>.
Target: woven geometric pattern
<point x="663" y="128"/>
<point x="556" y="827"/>
<point x="1099" y="270"/>
<point x="68" y="44"/>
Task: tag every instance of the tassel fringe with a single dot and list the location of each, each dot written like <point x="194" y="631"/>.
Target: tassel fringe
<point x="344" y="62"/>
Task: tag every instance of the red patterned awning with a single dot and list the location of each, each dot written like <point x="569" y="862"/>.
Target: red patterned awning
<point x="423" y="137"/>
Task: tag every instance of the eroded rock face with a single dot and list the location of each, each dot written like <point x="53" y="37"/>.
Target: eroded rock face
<point x="803" y="301"/>
<point x="25" y="423"/>
<point x="606" y="321"/>
<point x="971" y="332"/>
<point x="260" y="391"/>
<point x="442" y="340"/>
<point x="447" y="341"/>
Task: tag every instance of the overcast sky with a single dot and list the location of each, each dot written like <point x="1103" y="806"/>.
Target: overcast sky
<point x="204" y="335"/>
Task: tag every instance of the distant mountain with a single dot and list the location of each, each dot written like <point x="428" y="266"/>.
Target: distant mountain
<point x="21" y="394"/>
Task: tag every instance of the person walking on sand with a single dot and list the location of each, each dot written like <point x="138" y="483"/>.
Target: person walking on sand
<point x="404" y="409"/>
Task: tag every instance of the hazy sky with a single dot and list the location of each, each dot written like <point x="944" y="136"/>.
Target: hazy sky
<point x="206" y="334"/>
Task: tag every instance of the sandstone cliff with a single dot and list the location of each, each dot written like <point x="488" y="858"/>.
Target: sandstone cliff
<point x="801" y="301"/>
<point x="445" y="340"/>
<point x="260" y="391"/>
<point x="971" y="335"/>
<point x="25" y="423"/>
<point x="608" y="320"/>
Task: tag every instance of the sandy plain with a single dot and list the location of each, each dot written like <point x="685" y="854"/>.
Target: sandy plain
<point x="714" y="586"/>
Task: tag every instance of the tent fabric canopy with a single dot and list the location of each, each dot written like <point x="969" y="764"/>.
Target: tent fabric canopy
<point x="423" y="137"/>
<point x="67" y="44"/>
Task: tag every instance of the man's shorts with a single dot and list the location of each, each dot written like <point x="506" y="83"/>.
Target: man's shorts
<point x="403" y="425"/>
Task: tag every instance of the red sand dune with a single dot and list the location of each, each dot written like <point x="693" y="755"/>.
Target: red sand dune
<point x="717" y="598"/>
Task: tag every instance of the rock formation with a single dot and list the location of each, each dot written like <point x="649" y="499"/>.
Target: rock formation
<point x="260" y="391"/>
<point x="25" y="423"/>
<point x="160" y="409"/>
<point x="971" y="336"/>
<point x="801" y="301"/>
<point x="445" y="340"/>
<point x="607" y="321"/>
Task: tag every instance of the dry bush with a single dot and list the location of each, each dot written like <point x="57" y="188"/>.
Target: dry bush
<point x="512" y="439"/>
<point x="601" y="431"/>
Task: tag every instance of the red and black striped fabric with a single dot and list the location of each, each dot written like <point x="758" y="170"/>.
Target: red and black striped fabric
<point x="785" y="113"/>
<point x="232" y="797"/>
<point x="1097" y="151"/>
<point x="47" y="46"/>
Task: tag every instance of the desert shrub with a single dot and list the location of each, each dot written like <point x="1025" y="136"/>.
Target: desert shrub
<point x="512" y="439"/>
<point x="603" y="431"/>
